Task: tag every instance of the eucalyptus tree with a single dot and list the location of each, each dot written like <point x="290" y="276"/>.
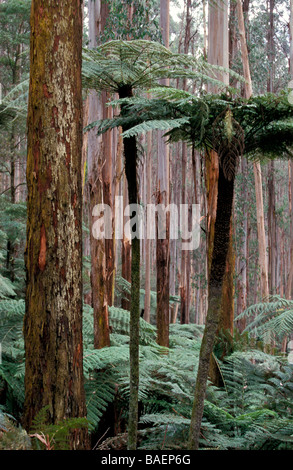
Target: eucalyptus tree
<point x="124" y="67"/>
<point x="53" y="256"/>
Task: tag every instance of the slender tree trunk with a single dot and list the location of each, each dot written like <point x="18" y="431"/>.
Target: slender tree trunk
<point x="108" y="198"/>
<point x="131" y="162"/>
<point x="148" y="241"/>
<point x="256" y="165"/>
<point x="53" y="257"/>
<point x="163" y="245"/>
<point x="183" y="273"/>
<point x="217" y="272"/>
<point x="126" y="251"/>
<point x="290" y="275"/>
<point x="272" y="229"/>
<point x="242" y="282"/>
<point x="96" y="154"/>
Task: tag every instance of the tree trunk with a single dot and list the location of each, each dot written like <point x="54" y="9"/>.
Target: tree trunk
<point x="96" y="155"/>
<point x="290" y="275"/>
<point x="256" y="165"/>
<point x="53" y="257"/>
<point x="216" y="279"/>
<point x="183" y="274"/>
<point x="218" y="54"/>
<point x="126" y="251"/>
<point x="272" y="229"/>
<point x="108" y="199"/>
<point x="163" y="245"/>
<point x="147" y="299"/>
<point x="131" y="162"/>
<point x="242" y="281"/>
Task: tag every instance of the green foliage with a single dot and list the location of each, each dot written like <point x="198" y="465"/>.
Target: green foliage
<point x="143" y="24"/>
<point x="12" y="436"/>
<point x="14" y="31"/>
<point x="12" y="355"/>
<point x="271" y="321"/>
<point x="53" y="436"/>
<point x="140" y="64"/>
<point x="260" y="127"/>
<point x="12" y="233"/>
<point x="253" y="409"/>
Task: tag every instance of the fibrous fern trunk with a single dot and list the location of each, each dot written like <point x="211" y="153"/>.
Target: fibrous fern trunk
<point x="217" y="273"/>
<point x="131" y="157"/>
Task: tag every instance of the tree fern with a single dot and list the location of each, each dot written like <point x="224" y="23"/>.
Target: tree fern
<point x="273" y="317"/>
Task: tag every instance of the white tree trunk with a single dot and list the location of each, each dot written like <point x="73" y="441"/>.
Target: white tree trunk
<point x="256" y="165"/>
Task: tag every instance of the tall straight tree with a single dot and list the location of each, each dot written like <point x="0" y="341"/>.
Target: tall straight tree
<point x="185" y="259"/>
<point x="290" y="274"/>
<point x="97" y="148"/>
<point x="256" y="165"/>
<point x="53" y="316"/>
<point x="218" y="54"/>
<point x="163" y="245"/>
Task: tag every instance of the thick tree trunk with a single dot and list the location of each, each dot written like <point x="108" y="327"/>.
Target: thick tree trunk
<point x="53" y="257"/>
<point x="218" y="54"/>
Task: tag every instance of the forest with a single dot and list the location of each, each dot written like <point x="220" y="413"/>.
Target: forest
<point x="146" y="226"/>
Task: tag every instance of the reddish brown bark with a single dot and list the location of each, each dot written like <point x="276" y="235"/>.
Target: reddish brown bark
<point x="53" y="257"/>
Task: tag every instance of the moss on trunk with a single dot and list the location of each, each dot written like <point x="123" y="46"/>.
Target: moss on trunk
<point x="217" y="273"/>
<point x="53" y="257"/>
<point x="131" y="159"/>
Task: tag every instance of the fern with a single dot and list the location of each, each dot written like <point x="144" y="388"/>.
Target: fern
<point x="273" y="319"/>
<point x="12" y="436"/>
<point x="147" y="126"/>
<point x="141" y="64"/>
<point x="253" y="409"/>
<point x="54" y="436"/>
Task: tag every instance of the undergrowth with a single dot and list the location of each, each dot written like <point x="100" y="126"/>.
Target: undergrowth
<point x="252" y="410"/>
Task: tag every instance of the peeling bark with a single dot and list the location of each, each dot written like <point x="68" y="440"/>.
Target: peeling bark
<point x="53" y="256"/>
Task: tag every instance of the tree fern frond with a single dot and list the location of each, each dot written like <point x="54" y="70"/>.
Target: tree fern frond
<point x="155" y="124"/>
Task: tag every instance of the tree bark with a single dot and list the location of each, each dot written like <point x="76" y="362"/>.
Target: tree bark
<point x="218" y="54"/>
<point x="147" y="300"/>
<point x="126" y="251"/>
<point x="96" y="155"/>
<point x="53" y="256"/>
<point x="217" y="273"/>
<point x="163" y="245"/>
<point x="131" y="162"/>
<point x="290" y="274"/>
<point x="256" y="165"/>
